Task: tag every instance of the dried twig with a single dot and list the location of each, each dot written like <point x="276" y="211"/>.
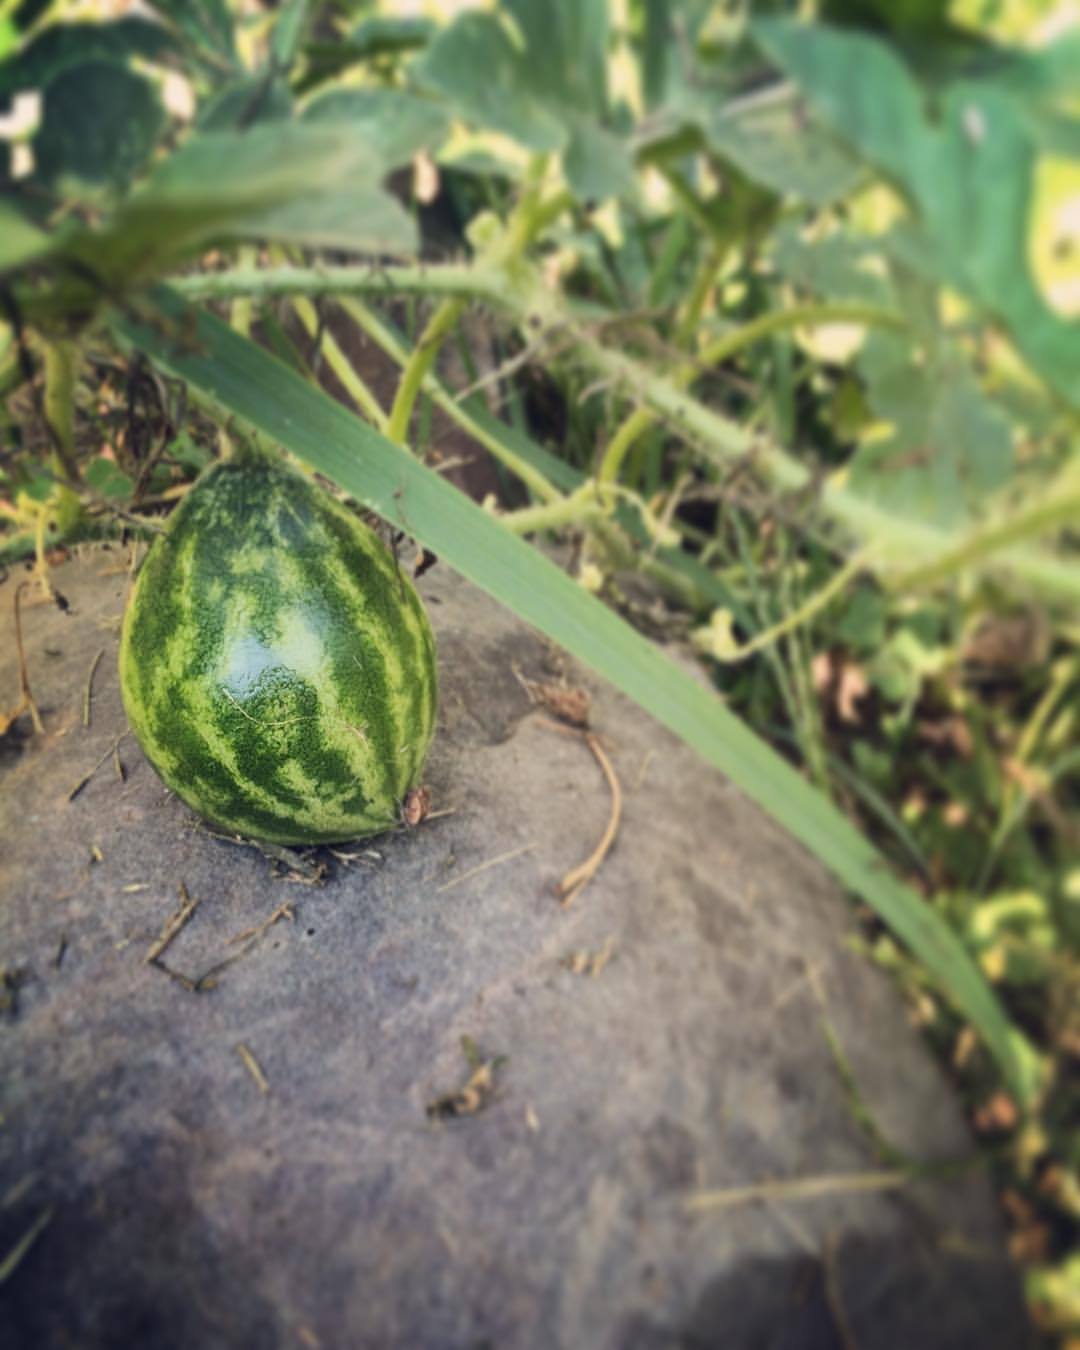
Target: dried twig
<point x="112" y="750"/>
<point x="176" y="922"/>
<point x="590" y="963"/>
<point x="483" y="867"/>
<point x="283" y="911"/>
<point x="579" y="877"/>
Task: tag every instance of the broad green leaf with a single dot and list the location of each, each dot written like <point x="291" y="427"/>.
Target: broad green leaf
<point x="397" y="125"/>
<point x="246" y="101"/>
<point x="566" y="47"/>
<point x="247" y="383"/>
<point x="314" y="184"/>
<point x="27" y="13"/>
<point x="99" y="124"/>
<point x="949" y="448"/>
<point x="206" y="24"/>
<point x="595" y="161"/>
<point x="107" y="479"/>
<point x="21" y="242"/>
<point x="537" y="73"/>
<point x="73" y="44"/>
<point x="360" y="218"/>
<point x="656" y="47"/>
<point x="776" y="145"/>
<point x="379" y="36"/>
<point x="475" y="64"/>
<point x="968" y="174"/>
<point x="830" y="267"/>
<point x="386" y="35"/>
<point x="288" y="30"/>
<point x="1049" y="73"/>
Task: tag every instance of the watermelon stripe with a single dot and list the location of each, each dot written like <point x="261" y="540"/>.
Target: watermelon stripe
<point x="276" y="666"/>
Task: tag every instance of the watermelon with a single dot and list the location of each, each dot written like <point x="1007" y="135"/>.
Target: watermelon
<point x="276" y="666"/>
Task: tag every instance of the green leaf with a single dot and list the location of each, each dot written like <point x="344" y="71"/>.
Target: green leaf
<point x="21" y="242"/>
<point x="830" y="267"/>
<point x="566" y="49"/>
<point x="245" y="382"/>
<point x="287" y="181"/>
<point x="359" y="218"/>
<point x="73" y="44"/>
<point x="397" y="125"/>
<point x="206" y="24"/>
<point x="99" y="124"/>
<point x="537" y="73"/>
<point x="596" y="163"/>
<point x="656" y="46"/>
<point x="475" y="64"/>
<point x="288" y="30"/>
<point x="246" y="101"/>
<point x="107" y="479"/>
<point x="384" y="35"/>
<point x="374" y="38"/>
<point x="1051" y="73"/>
<point x="776" y="145"/>
<point x="968" y="174"/>
<point x="949" y="448"/>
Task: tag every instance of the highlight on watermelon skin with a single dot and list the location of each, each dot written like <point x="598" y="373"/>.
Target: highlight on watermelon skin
<point x="277" y="667"/>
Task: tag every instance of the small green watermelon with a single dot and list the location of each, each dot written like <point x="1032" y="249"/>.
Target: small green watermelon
<point x="276" y="666"/>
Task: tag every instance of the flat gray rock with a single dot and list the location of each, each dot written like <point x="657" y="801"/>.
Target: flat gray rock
<point x="254" y="1164"/>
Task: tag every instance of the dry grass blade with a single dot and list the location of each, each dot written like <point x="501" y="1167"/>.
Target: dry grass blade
<point x="253" y="1067"/>
<point x="798" y="1188"/>
<point x="88" y="692"/>
<point x="112" y="750"/>
<point x="483" y="867"/>
<point x="11" y="1262"/>
<point x="176" y="922"/>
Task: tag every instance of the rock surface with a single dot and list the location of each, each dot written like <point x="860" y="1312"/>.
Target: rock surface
<point x="254" y="1164"/>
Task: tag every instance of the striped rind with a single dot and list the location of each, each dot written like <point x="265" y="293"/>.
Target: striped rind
<point x="276" y="666"/>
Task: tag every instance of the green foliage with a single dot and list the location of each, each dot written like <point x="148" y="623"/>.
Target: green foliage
<point x="538" y="74"/>
<point x="396" y="124"/>
<point x="76" y="44"/>
<point x="967" y="171"/>
<point x="107" y="149"/>
<point x="777" y="349"/>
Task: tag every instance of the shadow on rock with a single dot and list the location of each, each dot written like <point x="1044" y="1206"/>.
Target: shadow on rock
<point x="118" y="1267"/>
<point x="880" y="1294"/>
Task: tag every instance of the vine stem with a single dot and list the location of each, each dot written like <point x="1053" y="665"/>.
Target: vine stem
<point x="777" y="320"/>
<point x="579" y="509"/>
<point x="446" y="279"/>
<point x="722" y="441"/>
<point x="438" y="328"/>
<point x="1054" y="509"/>
<point x="61" y="360"/>
<point x="378" y="331"/>
<point x="661" y="396"/>
<point x="529" y="216"/>
<point x="812" y="606"/>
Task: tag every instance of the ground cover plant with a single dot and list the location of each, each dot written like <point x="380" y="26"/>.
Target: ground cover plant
<point x="778" y="335"/>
